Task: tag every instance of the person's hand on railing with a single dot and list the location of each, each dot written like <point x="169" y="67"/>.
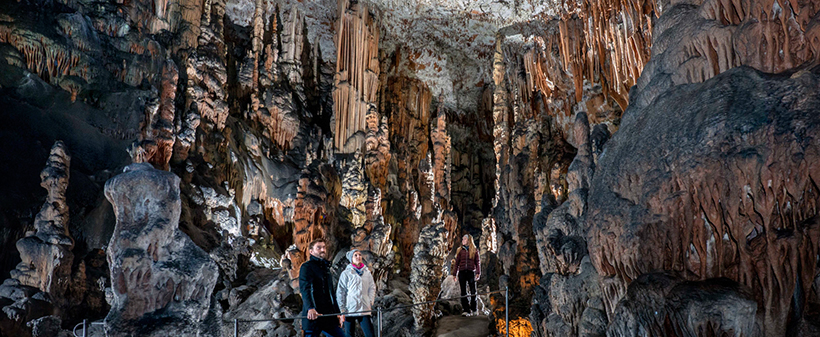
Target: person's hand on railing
<point x="477" y="276"/>
<point x="342" y="321"/>
<point x="312" y="314"/>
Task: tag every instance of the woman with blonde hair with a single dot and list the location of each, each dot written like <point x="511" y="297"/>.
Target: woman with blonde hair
<point x="467" y="268"/>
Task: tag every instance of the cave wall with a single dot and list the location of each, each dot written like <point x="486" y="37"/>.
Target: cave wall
<point x="567" y="142"/>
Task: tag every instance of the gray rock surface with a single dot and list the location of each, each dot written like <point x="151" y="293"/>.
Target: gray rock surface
<point x="705" y="189"/>
<point x="38" y="285"/>
<point x="161" y="281"/>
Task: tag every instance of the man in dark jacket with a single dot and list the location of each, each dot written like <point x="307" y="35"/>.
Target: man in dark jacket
<point x="317" y="290"/>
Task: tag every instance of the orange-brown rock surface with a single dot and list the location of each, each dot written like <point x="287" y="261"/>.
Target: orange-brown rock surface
<point x="716" y="189"/>
<point x="156" y="143"/>
<point x="357" y="74"/>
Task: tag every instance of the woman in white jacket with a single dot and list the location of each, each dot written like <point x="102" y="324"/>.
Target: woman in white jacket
<point x="356" y="292"/>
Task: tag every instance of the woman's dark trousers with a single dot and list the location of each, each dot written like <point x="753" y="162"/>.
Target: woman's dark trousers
<point x="467" y="277"/>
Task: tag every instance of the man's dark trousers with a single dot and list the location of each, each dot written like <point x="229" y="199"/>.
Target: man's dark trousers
<point x="327" y="325"/>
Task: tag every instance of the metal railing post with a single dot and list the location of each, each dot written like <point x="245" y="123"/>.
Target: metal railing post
<point x="379" y="318"/>
<point x="507" y="307"/>
<point x="85" y="328"/>
<point x="235" y="327"/>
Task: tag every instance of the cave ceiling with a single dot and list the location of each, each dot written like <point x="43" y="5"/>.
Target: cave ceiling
<point x="447" y="44"/>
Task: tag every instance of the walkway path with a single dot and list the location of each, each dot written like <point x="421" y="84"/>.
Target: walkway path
<point x="460" y="326"/>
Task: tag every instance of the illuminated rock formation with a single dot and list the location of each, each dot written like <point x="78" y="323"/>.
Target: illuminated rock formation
<point x="158" y="274"/>
<point x="39" y="285"/>
<point x="377" y="149"/>
<point x="427" y="270"/>
<point x="357" y="73"/>
<point x="716" y="203"/>
<point x="696" y="41"/>
<point x="205" y="85"/>
<point x="409" y="124"/>
<point x="156" y="143"/>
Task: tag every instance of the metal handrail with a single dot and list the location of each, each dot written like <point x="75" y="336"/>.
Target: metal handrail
<point x="379" y="310"/>
<point x="84" y="324"/>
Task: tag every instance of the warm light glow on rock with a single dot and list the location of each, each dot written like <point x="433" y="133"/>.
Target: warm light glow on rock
<point x="518" y="328"/>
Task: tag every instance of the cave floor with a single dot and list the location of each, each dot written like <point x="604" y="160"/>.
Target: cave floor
<point x="460" y="326"/>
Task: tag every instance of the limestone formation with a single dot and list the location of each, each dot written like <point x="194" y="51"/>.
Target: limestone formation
<point x="377" y="149"/>
<point x="409" y="122"/>
<point x="622" y="170"/>
<point x="158" y="274"/>
<point x="354" y="190"/>
<point x="266" y="296"/>
<point x="698" y="40"/>
<point x="427" y="271"/>
<point x="715" y="203"/>
<point x="39" y="285"/>
<point x="357" y="73"/>
<point x="156" y="143"/>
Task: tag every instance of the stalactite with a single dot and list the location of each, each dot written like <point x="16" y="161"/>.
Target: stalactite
<point x="500" y="117"/>
<point x="156" y="143"/>
<point x="43" y="56"/>
<point x="441" y="160"/>
<point x="357" y="73"/>
<point x="377" y="149"/>
<point x="608" y="42"/>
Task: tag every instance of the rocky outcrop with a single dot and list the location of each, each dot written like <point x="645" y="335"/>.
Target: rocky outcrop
<point x="38" y="286"/>
<point x="711" y="188"/>
<point x="653" y="301"/>
<point x="568" y="300"/>
<point x="697" y="40"/>
<point x="265" y="294"/>
<point x="158" y="274"/>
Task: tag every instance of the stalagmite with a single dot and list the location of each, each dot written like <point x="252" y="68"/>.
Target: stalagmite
<point x="158" y="273"/>
<point x="46" y="253"/>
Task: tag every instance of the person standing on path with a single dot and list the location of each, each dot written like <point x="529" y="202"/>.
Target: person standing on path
<point x="316" y="287"/>
<point x="356" y="292"/>
<point x="467" y="268"/>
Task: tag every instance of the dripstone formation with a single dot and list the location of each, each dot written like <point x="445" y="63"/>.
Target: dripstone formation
<point x="161" y="282"/>
<point x="625" y="167"/>
<point x="38" y="285"/>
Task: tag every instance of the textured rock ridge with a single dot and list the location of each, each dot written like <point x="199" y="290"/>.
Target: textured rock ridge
<point x="39" y="285"/>
<point x="161" y="281"/>
<point x="717" y="204"/>
<point x="697" y="40"/>
<point x="156" y="143"/>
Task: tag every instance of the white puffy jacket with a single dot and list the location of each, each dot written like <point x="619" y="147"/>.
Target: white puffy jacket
<point x="355" y="293"/>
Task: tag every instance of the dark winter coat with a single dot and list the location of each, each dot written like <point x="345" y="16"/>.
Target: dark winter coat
<point x="316" y="287"/>
<point x="463" y="262"/>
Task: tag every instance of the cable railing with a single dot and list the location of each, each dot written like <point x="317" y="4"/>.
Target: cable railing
<point x="379" y="311"/>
